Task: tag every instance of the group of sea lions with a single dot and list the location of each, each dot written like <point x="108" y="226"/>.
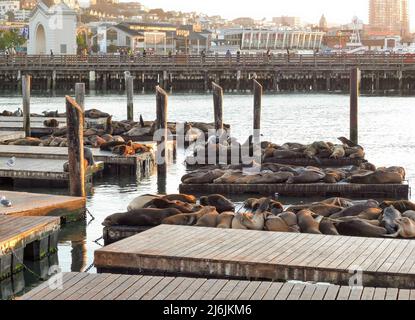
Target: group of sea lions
<point x="334" y="216"/>
<point x="227" y="150"/>
<point x="272" y="173"/>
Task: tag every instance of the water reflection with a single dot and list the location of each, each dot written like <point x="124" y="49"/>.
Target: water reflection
<point x="74" y="236"/>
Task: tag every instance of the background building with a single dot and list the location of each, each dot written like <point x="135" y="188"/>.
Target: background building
<point x="389" y="18"/>
<point x="284" y="21"/>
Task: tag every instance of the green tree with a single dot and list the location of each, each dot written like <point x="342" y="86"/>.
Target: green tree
<point x="11" y="39"/>
<point x="81" y="42"/>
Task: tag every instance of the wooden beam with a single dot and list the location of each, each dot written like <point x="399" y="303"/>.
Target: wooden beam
<point x="129" y="87"/>
<point x="80" y="95"/>
<point x="218" y="106"/>
<point x="161" y="124"/>
<point x="26" y="84"/>
<point x="75" y="125"/>
<point x="355" y="76"/>
<point x="257" y="105"/>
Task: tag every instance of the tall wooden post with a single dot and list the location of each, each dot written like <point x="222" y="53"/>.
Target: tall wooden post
<point x="161" y="127"/>
<point x="26" y="84"/>
<point x="75" y="126"/>
<point x="257" y="106"/>
<point x="218" y="106"/>
<point x="129" y="87"/>
<point x="355" y="76"/>
<point x="80" y="95"/>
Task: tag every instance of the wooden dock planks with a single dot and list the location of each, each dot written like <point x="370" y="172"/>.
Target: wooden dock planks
<point x="392" y="191"/>
<point x="33" y="204"/>
<point x="242" y="254"/>
<point x="84" y="286"/>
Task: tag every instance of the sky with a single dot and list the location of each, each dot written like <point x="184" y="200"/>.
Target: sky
<point x="336" y="11"/>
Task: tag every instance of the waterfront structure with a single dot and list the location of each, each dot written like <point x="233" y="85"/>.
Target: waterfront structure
<point x="389" y="17"/>
<point x="52" y="29"/>
<point x="323" y="23"/>
<point x="284" y="21"/>
<point x="9" y="6"/>
<point x="272" y="39"/>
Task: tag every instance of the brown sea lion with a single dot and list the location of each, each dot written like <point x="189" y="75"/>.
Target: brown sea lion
<point x="409" y="214"/>
<point x="340" y="202"/>
<point x="307" y="223"/>
<point x="388" y="219"/>
<point x="402" y="206"/>
<point x="204" y="177"/>
<point x="188" y="219"/>
<point x="26" y="142"/>
<point x="140" y="217"/>
<point x="209" y="220"/>
<point x="377" y="177"/>
<point x="325" y="210"/>
<point x="180" y="197"/>
<point x="359" y="228"/>
<point x="95" y="114"/>
<point x="108" y="146"/>
<point x="161" y="203"/>
<point x="370" y="214"/>
<point x="224" y="220"/>
<point x="251" y="203"/>
<point x="140" y="202"/>
<point x="327" y="227"/>
<point x="356" y="209"/>
<point x="276" y="224"/>
<point x="406" y="229"/>
<point x="268" y="178"/>
<point x="307" y="176"/>
<point x="276" y="207"/>
<point x="218" y="201"/>
<point x="51" y="123"/>
<point x="338" y="152"/>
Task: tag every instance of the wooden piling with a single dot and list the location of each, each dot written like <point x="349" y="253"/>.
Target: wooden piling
<point x="80" y="95"/>
<point x="129" y="87"/>
<point x="75" y="125"/>
<point x="26" y="84"/>
<point x="161" y="125"/>
<point x="355" y="76"/>
<point x="257" y="106"/>
<point x="218" y="106"/>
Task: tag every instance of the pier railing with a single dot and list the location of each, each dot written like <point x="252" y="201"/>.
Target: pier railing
<point x="106" y="62"/>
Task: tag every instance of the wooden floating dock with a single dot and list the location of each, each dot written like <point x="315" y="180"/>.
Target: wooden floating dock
<point x="41" y="170"/>
<point x="84" y="286"/>
<point x="357" y="191"/>
<point x="21" y="238"/>
<point x="116" y="233"/>
<point x="39" y="120"/>
<point x="139" y="163"/>
<point x="258" y="255"/>
<point x="33" y="204"/>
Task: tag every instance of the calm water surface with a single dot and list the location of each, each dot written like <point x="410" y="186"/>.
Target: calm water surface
<point x="386" y="130"/>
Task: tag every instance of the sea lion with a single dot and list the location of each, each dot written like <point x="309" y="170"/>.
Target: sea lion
<point x="276" y="224"/>
<point x="251" y="203"/>
<point x="224" y="220"/>
<point x="356" y="209"/>
<point x="377" y="177"/>
<point x="95" y="114"/>
<point x="51" y="114"/>
<point x="268" y="178"/>
<point x="204" y="177"/>
<point x="188" y="219"/>
<point x="338" y="152"/>
<point x="180" y="197"/>
<point x="370" y="214"/>
<point x="307" y="176"/>
<point x="359" y="228"/>
<point x="140" y="202"/>
<point x="26" y="142"/>
<point x="388" y="219"/>
<point x="161" y="203"/>
<point x="402" y="206"/>
<point x="108" y="146"/>
<point x="340" y="202"/>
<point x="209" y="220"/>
<point x="307" y="223"/>
<point x="88" y="156"/>
<point x="409" y="214"/>
<point x="327" y="227"/>
<point x="276" y="207"/>
<point x="325" y="210"/>
<point x="406" y="229"/>
<point x="140" y="217"/>
<point x="51" y="123"/>
<point x="218" y="201"/>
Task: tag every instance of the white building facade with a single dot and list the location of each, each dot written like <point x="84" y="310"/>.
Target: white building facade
<point x="9" y="6"/>
<point x="52" y="29"/>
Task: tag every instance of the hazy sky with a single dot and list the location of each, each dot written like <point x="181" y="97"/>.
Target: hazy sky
<point x="336" y="11"/>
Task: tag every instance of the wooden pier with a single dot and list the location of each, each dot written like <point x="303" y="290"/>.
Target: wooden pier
<point x="139" y="163"/>
<point x="279" y="73"/>
<point x="84" y="286"/>
<point x="355" y="191"/>
<point x="23" y="238"/>
<point x="36" y="204"/>
<point x="258" y="255"/>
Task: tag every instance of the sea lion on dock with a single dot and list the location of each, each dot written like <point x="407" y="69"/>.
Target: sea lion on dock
<point x="339" y="202"/>
<point x="307" y="223"/>
<point x="51" y="114"/>
<point x="402" y="206"/>
<point x="95" y="114"/>
<point x="204" y="177"/>
<point x="377" y="177"/>
<point x="51" y="123"/>
<point x="327" y="227"/>
<point x="140" y="217"/>
<point x="370" y="214"/>
<point x="218" y="201"/>
<point x="269" y="178"/>
<point x="325" y="210"/>
<point x="388" y="219"/>
<point x="187" y="219"/>
<point x="409" y="214"/>
<point x="406" y="229"/>
<point x="224" y="220"/>
<point x="141" y="202"/>
<point x="180" y="197"/>
<point x="88" y="156"/>
<point x="307" y="176"/>
<point x="209" y="220"/>
<point x="109" y="146"/>
<point x="29" y="141"/>
<point x="338" y="152"/>
<point x="356" y="209"/>
<point x="252" y="221"/>
<point x="161" y="203"/>
<point x="359" y="228"/>
<point x="276" y="224"/>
